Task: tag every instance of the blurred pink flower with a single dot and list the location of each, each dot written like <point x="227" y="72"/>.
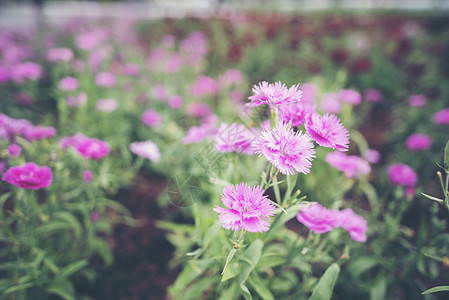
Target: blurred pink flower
<point x="418" y="142"/>
<point x="107" y="105"/>
<point x="59" y="54"/>
<point x="198" y="109"/>
<point x="234" y="138"/>
<point x="318" y="218"/>
<point x="105" y="79"/>
<point x="196" y="134"/>
<point x="175" y="102"/>
<point x="354" y="224"/>
<point x="417" y="100"/>
<point x="26" y="70"/>
<point x="92" y="148"/>
<point x="14" y="150"/>
<point x="236" y="96"/>
<point x="146" y="149"/>
<point x="352" y="166"/>
<point x="331" y="103"/>
<point x="373" y="95"/>
<point x="441" y="117"/>
<point x="327" y="131"/>
<point x="151" y="118"/>
<point x="245" y="208"/>
<point x="402" y="175"/>
<point x="87" y="175"/>
<point x="131" y="69"/>
<point x="287" y="150"/>
<point x="350" y="96"/>
<point x="159" y="93"/>
<point x="29" y="176"/>
<point x="92" y="39"/>
<point x="78" y="65"/>
<point x="95" y="216"/>
<point x="309" y="93"/>
<point x="372" y="156"/>
<point x="204" y="86"/>
<point x="39" y="133"/>
<point x="231" y="77"/>
<point x="68" y="84"/>
<point x="297" y="113"/>
<point x="78" y="100"/>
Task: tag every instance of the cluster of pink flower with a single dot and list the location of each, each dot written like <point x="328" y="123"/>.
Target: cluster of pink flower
<point x="90" y="148"/>
<point x="320" y="220"/>
<point x="10" y="127"/>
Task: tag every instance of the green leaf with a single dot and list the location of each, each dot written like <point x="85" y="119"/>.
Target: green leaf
<point x="232" y="270"/>
<point x="62" y="288"/>
<point x="231" y="293"/>
<point x="246" y="293"/>
<point x="228" y="259"/>
<point x="17" y="288"/>
<point x="433" y="198"/>
<point x="446" y="157"/>
<point x="284" y="218"/>
<point x="209" y="235"/>
<point x="3" y="199"/>
<point x="250" y="259"/>
<point x="71" y="220"/>
<point x="323" y="290"/>
<point x="197" y="289"/>
<point x="378" y="289"/>
<point x="271" y="260"/>
<point x="102" y="248"/>
<point x="361" y="265"/>
<point x="442" y="288"/>
<point x="260" y="287"/>
<point x="73" y="268"/>
<point x="188" y="274"/>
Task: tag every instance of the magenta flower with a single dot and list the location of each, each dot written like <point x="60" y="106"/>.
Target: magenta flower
<point x="88" y="177"/>
<point x="234" y="138"/>
<point x="350" y="96"/>
<point x="297" y="113"/>
<point x="105" y="79"/>
<point x="327" y="131"/>
<point x="418" y="142"/>
<point x="231" y="77"/>
<point x="10" y="127"/>
<point x="402" y="175"/>
<point x="331" y="103"/>
<point x="72" y="141"/>
<point x="151" y="118"/>
<point x="318" y="218"/>
<point x="107" y="105"/>
<point x="131" y="69"/>
<point x="198" y="109"/>
<point x="354" y="224"/>
<point x="352" y="166"/>
<point x="373" y="95"/>
<point x="159" y="93"/>
<point x="309" y="92"/>
<point x="146" y="149"/>
<point x="39" y="133"/>
<point x="175" y="102"/>
<point x="26" y="70"/>
<point x="274" y="94"/>
<point x="417" y="100"/>
<point x="372" y="156"/>
<point x="441" y="117"/>
<point x="23" y="98"/>
<point x="287" y="150"/>
<point x="29" y="176"/>
<point x="196" y="134"/>
<point x="94" y="216"/>
<point x="235" y="96"/>
<point x="68" y="84"/>
<point x="76" y="101"/>
<point x="204" y="86"/>
<point x="245" y="208"/>
<point x="59" y="54"/>
<point x="14" y="150"/>
<point x="92" y="148"/>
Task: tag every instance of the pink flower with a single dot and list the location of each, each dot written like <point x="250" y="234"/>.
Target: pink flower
<point x="76" y="101"/>
<point x="88" y="177"/>
<point x="14" y="150"/>
<point x="309" y="92"/>
<point x="417" y="100"/>
<point x="78" y="65"/>
<point x="274" y="94"/>
<point x="297" y="113"/>
<point x="91" y="39"/>
<point x="235" y="96"/>
<point x="159" y="93"/>
<point x="318" y="218"/>
<point x="105" y="79"/>
<point x="29" y="176"/>
<point x="196" y="134"/>
<point x="418" y="142"/>
<point x="352" y="166"/>
<point x="354" y="224"/>
<point x="204" y="86"/>
<point x="10" y="127"/>
<point x="350" y="96"/>
<point x="373" y="95"/>
<point x="402" y="175"/>
<point x="23" y="98"/>
<point x="151" y="118"/>
<point x="327" y="131"/>
<point x="441" y="117"/>
<point x="107" y="105"/>
<point x="92" y="148"/>
<point x="59" y="54"/>
<point x="39" y="133"/>
<point x="131" y="69"/>
<point x="331" y="103"/>
<point x="234" y="138"/>
<point x="26" y="70"/>
<point x="68" y="84"/>
<point x="198" y="109"/>
<point x="372" y="156"/>
<point x="72" y="141"/>
<point x="146" y="149"/>
<point x="5" y="74"/>
<point x="231" y="77"/>
<point x="287" y="150"/>
<point x="245" y="208"/>
<point x="94" y="216"/>
<point x="175" y="102"/>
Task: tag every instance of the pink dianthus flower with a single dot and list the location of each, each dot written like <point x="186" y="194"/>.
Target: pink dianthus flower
<point x="151" y="118"/>
<point x="350" y="96"/>
<point x="402" y="174"/>
<point x="105" y="79"/>
<point x="29" y="176"/>
<point x="14" y="150"/>
<point x="93" y="148"/>
<point x="318" y="218"/>
<point x="354" y="224"/>
<point x="327" y="131"/>
<point x="68" y="84"/>
<point x="198" y="109"/>
<point x="297" y="113"/>
<point x="245" y="208"/>
<point x="234" y="138"/>
<point x="418" y="142"/>
<point x="352" y="166"/>
<point x="441" y="117"/>
<point x="274" y="94"/>
<point x="146" y="149"/>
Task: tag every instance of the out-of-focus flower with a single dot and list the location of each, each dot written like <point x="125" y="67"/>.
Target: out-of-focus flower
<point x="372" y="156"/>
<point x="92" y="148"/>
<point x="402" y="175"/>
<point x="231" y="77"/>
<point x="88" y="177"/>
<point x="94" y="216"/>
<point x="373" y="95"/>
<point x="418" y="142"/>
<point x="146" y="149"/>
<point x="245" y="208"/>
<point x="151" y="118"/>
<point x="78" y="65"/>
<point x="196" y="134"/>
<point x="297" y="113"/>
<point x="327" y="131"/>
<point x="105" y="79"/>
<point x="331" y="103"/>
<point x="198" y="109"/>
<point x="107" y="105"/>
<point x="5" y="74"/>
<point x="234" y="138"/>
<point x="204" y="86"/>
<point x="175" y="102"/>
<point x="14" y="150"/>
<point x="441" y="117"/>
<point x="59" y="54"/>
<point x="39" y="133"/>
<point x="274" y="94"/>
<point x="309" y="93"/>
<point x="131" y="69"/>
<point x="68" y="84"/>
<point x="417" y="100"/>
<point x="287" y="150"/>
<point x="235" y="96"/>
<point x="92" y="39"/>
<point x="29" y="176"/>
<point x="318" y="218"/>
<point x="354" y="224"/>
<point x="23" y="98"/>
<point x="350" y="96"/>
<point x="26" y="70"/>
<point x="78" y="100"/>
<point x="352" y="166"/>
<point x="159" y="93"/>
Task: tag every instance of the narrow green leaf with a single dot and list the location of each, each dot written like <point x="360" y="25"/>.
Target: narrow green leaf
<point x="73" y="268"/>
<point x="246" y="293"/>
<point x="378" y="289"/>
<point x="231" y="293"/>
<point x="323" y="290"/>
<point x="250" y="259"/>
<point x="18" y="288"/>
<point x="446" y="157"/>
<point x="260" y="287"/>
<point x="433" y="198"/>
<point x="209" y="235"/>
<point x="442" y="288"/>
<point x="437" y="258"/>
<point x="71" y="220"/>
<point x="62" y="288"/>
<point x="230" y="256"/>
<point x="231" y="271"/>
